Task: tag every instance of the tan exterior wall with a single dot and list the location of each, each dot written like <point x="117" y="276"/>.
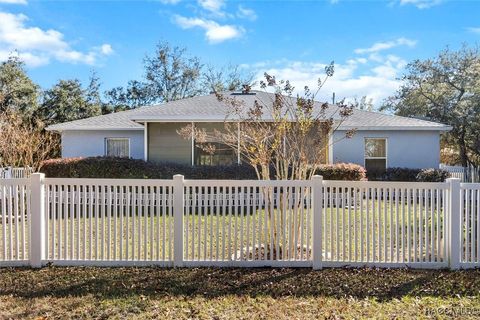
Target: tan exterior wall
<point x="166" y="145"/>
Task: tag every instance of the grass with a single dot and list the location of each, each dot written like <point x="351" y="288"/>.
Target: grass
<point x="208" y="293"/>
<point x="144" y="236"/>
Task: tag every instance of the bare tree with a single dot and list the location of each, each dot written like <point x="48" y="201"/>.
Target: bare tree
<point x="289" y="134"/>
<point x="283" y="136"/>
<point x="25" y="143"/>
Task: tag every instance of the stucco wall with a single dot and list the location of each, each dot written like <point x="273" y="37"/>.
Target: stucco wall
<point x="410" y="149"/>
<point x="413" y="149"/>
<point x="92" y="143"/>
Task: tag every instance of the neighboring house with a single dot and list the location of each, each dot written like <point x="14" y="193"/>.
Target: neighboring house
<point x="150" y="133"/>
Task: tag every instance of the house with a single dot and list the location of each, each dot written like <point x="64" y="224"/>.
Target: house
<point x="150" y="133"/>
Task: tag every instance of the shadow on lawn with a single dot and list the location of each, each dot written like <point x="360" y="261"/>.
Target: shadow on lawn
<point x="213" y="282"/>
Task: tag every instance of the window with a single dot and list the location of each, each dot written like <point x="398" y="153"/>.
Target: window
<point x="223" y="155"/>
<point x="376" y="155"/>
<point x="117" y="147"/>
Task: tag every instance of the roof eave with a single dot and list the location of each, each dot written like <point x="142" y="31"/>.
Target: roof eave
<point x="91" y="129"/>
<point x="397" y="128"/>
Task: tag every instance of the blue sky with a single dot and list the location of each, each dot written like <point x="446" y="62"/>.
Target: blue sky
<point x="370" y="41"/>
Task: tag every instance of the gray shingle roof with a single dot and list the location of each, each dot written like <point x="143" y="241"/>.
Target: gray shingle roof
<point x="209" y="109"/>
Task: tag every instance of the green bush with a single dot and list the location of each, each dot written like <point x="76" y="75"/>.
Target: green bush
<point x="397" y="174"/>
<point x="432" y="175"/>
<point x="410" y="175"/>
<point x="342" y="171"/>
<point x="123" y="168"/>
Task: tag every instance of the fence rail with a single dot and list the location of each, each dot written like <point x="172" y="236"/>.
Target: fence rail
<point x="317" y="223"/>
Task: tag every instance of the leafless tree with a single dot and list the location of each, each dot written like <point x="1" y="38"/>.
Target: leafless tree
<point x="282" y="135"/>
<point x="25" y="143"/>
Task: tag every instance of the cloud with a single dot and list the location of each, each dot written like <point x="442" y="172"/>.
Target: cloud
<point x="353" y="78"/>
<point x="14" y="1"/>
<point x="474" y="29"/>
<point x="380" y="46"/>
<point x="214" y="32"/>
<point x="106" y="49"/>
<point x="214" y="6"/>
<point x="421" y="4"/>
<point x="211" y="16"/>
<point x="246" y="13"/>
<point x="37" y="46"/>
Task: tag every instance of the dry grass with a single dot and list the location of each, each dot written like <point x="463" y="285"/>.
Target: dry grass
<point x="208" y="293"/>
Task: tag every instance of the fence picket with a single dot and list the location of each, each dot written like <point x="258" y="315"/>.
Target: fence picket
<point x="243" y="223"/>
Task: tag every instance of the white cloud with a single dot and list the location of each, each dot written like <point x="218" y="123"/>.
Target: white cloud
<point x="106" y="49"/>
<point x="27" y="57"/>
<point x="474" y="29"/>
<point x="421" y="4"/>
<point x="214" y="32"/>
<point x="380" y="46"/>
<point x="214" y="6"/>
<point x="246" y="13"/>
<point x="14" y="1"/>
<point x="354" y="78"/>
<point x="37" y="46"/>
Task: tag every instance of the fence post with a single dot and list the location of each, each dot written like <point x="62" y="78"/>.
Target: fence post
<point x="178" y="212"/>
<point x="37" y="220"/>
<point x="317" y="192"/>
<point x="454" y="227"/>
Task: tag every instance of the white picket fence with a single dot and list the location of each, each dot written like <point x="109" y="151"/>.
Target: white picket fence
<point x="465" y="174"/>
<point x="244" y="223"/>
<point x="15" y="173"/>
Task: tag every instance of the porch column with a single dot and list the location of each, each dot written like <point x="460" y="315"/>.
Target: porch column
<point x="330" y="148"/>
<point x="193" y="144"/>
<point x="145" y="141"/>
<point x="238" y="143"/>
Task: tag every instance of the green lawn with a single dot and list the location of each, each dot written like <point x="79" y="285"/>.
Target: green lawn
<point x="147" y="237"/>
<point x="207" y="293"/>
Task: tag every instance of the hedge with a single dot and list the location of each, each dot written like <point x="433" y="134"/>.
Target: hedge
<point x="410" y="175"/>
<point x="342" y="171"/>
<point x="124" y="168"/>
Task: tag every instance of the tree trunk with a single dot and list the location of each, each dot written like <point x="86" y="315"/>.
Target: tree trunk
<point x="463" y="151"/>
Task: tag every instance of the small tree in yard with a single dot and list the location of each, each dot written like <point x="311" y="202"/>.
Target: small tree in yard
<point x="285" y="137"/>
<point x="25" y="143"/>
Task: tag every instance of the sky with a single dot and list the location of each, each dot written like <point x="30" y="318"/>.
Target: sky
<point x="370" y="42"/>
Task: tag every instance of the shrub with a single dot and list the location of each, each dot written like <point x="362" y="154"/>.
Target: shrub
<point x="432" y="175"/>
<point x="410" y="175"/>
<point x="398" y="174"/>
<point x="123" y="168"/>
<point x="342" y="171"/>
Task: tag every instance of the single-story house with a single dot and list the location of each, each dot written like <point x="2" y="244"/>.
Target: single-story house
<point x="151" y="133"/>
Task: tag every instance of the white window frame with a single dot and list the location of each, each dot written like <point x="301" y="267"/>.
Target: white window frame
<point x="369" y="158"/>
<point x="118" y="138"/>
